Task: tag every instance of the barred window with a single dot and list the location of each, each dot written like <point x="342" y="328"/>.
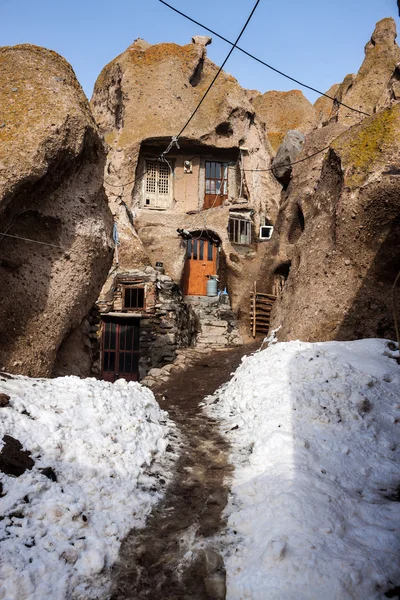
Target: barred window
<point x="133" y="297"/>
<point x="239" y="230"/>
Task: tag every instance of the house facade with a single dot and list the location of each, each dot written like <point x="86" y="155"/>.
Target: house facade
<point x="191" y="214"/>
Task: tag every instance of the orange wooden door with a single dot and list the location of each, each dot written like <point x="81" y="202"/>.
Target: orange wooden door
<point x="201" y="260"/>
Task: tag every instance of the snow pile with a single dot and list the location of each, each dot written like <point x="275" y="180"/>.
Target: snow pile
<point x="314" y="511"/>
<point x="58" y="538"/>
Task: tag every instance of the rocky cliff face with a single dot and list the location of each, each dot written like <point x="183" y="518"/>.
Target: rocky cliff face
<point x="51" y="172"/>
<point x="145" y="96"/>
<point x="337" y="251"/>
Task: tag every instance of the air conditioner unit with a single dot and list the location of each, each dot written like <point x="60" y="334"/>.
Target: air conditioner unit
<point x="266" y="232"/>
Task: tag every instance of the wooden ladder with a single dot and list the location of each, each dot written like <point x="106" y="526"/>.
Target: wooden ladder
<point x="261" y="305"/>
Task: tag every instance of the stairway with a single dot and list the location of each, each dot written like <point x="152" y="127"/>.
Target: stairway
<point x="217" y="325"/>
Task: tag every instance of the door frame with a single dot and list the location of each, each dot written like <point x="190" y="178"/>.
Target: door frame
<point x="120" y="350"/>
<point x="197" y="249"/>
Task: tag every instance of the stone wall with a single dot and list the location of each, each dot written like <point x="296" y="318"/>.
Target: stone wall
<point x="166" y="322"/>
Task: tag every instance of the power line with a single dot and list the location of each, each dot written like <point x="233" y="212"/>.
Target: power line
<point x="261" y="61"/>
<point x="278" y="166"/>
<point x="17" y="237"/>
<point x="175" y="138"/>
<point x="135" y="180"/>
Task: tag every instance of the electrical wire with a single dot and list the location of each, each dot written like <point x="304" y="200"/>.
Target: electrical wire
<point x="309" y="87"/>
<point x="278" y="166"/>
<point x="135" y="180"/>
<point x="175" y="139"/>
<point x="17" y="237"/>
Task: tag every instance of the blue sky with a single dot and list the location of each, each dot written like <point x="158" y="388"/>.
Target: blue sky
<point x="316" y="41"/>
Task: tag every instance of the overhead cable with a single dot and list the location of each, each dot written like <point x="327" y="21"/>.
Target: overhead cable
<point x="309" y="87"/>
<point x="135" y="180"/>
<point x="17" y="237"/>
<point x="174" y="139"/>
<point x="280" y="165"/>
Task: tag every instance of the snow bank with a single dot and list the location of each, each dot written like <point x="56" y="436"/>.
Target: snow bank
<point x="57" y="539"/>
<point x="314" y="510"/>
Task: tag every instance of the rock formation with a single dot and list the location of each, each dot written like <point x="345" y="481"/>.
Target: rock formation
<point x="337" y="251"/>
<point x="143" y="98"/>
<point x="282" y="111"/>
<point x="323" y="106"/>
<point x="286" y="155"/>
<point x="377" y="82"/>
<point x="51" y="171"/>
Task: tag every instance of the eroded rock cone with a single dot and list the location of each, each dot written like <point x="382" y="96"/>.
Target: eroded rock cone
<point x="376" y="84"/>
<point x="51" y="174"/>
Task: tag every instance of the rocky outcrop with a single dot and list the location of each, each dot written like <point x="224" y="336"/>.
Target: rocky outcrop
<point x="338" y="254"/>
<point x="287" y="154"/>
<point x="377" y="83"/>
<point x="282" y="111"/>
<point x="324" y="106"/>
<point x="51" y="171"/>
<point x="335" y="253"/>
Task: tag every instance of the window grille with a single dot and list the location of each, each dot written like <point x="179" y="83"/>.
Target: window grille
<point x="163" y="180"/>
<point x="151" y="176"/>
<point x="134" y="297"/>
<point x="239" y="230"/>
<point x="157" y="186"/>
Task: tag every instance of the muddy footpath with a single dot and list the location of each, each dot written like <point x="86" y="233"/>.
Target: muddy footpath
<point x="175" y="557"/>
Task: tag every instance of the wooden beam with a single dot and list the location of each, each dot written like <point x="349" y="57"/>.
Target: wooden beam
<point x="254" y="308"/>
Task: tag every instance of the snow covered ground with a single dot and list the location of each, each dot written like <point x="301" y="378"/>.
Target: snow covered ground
<point x="314" y="510"/>
<point x="59" y="538"/>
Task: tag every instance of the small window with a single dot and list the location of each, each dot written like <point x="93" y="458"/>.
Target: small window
<point x="200" y="250"/>
<point x="239" y="230"/>
<point x="216" y="189"/>
<point x="134" y="297"/>
<point x="266" y="232"/>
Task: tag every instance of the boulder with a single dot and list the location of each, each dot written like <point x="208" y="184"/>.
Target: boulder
<point x="287" y="154"/>
<point x="283" y="111"/>
<point x="13" y="459"/>
<point x="51" y="172"/>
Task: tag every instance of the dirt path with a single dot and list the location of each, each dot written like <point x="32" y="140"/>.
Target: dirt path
<point x="173" y="557"/>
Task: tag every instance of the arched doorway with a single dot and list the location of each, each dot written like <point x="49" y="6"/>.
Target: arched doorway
<point x="202" y="251"/>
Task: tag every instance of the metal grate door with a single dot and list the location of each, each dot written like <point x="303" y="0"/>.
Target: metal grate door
<point x="120" y="349"/>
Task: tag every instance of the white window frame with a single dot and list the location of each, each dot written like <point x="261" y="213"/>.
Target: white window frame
<point x="266" y="232"/>
<point x="157" y="185"/>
